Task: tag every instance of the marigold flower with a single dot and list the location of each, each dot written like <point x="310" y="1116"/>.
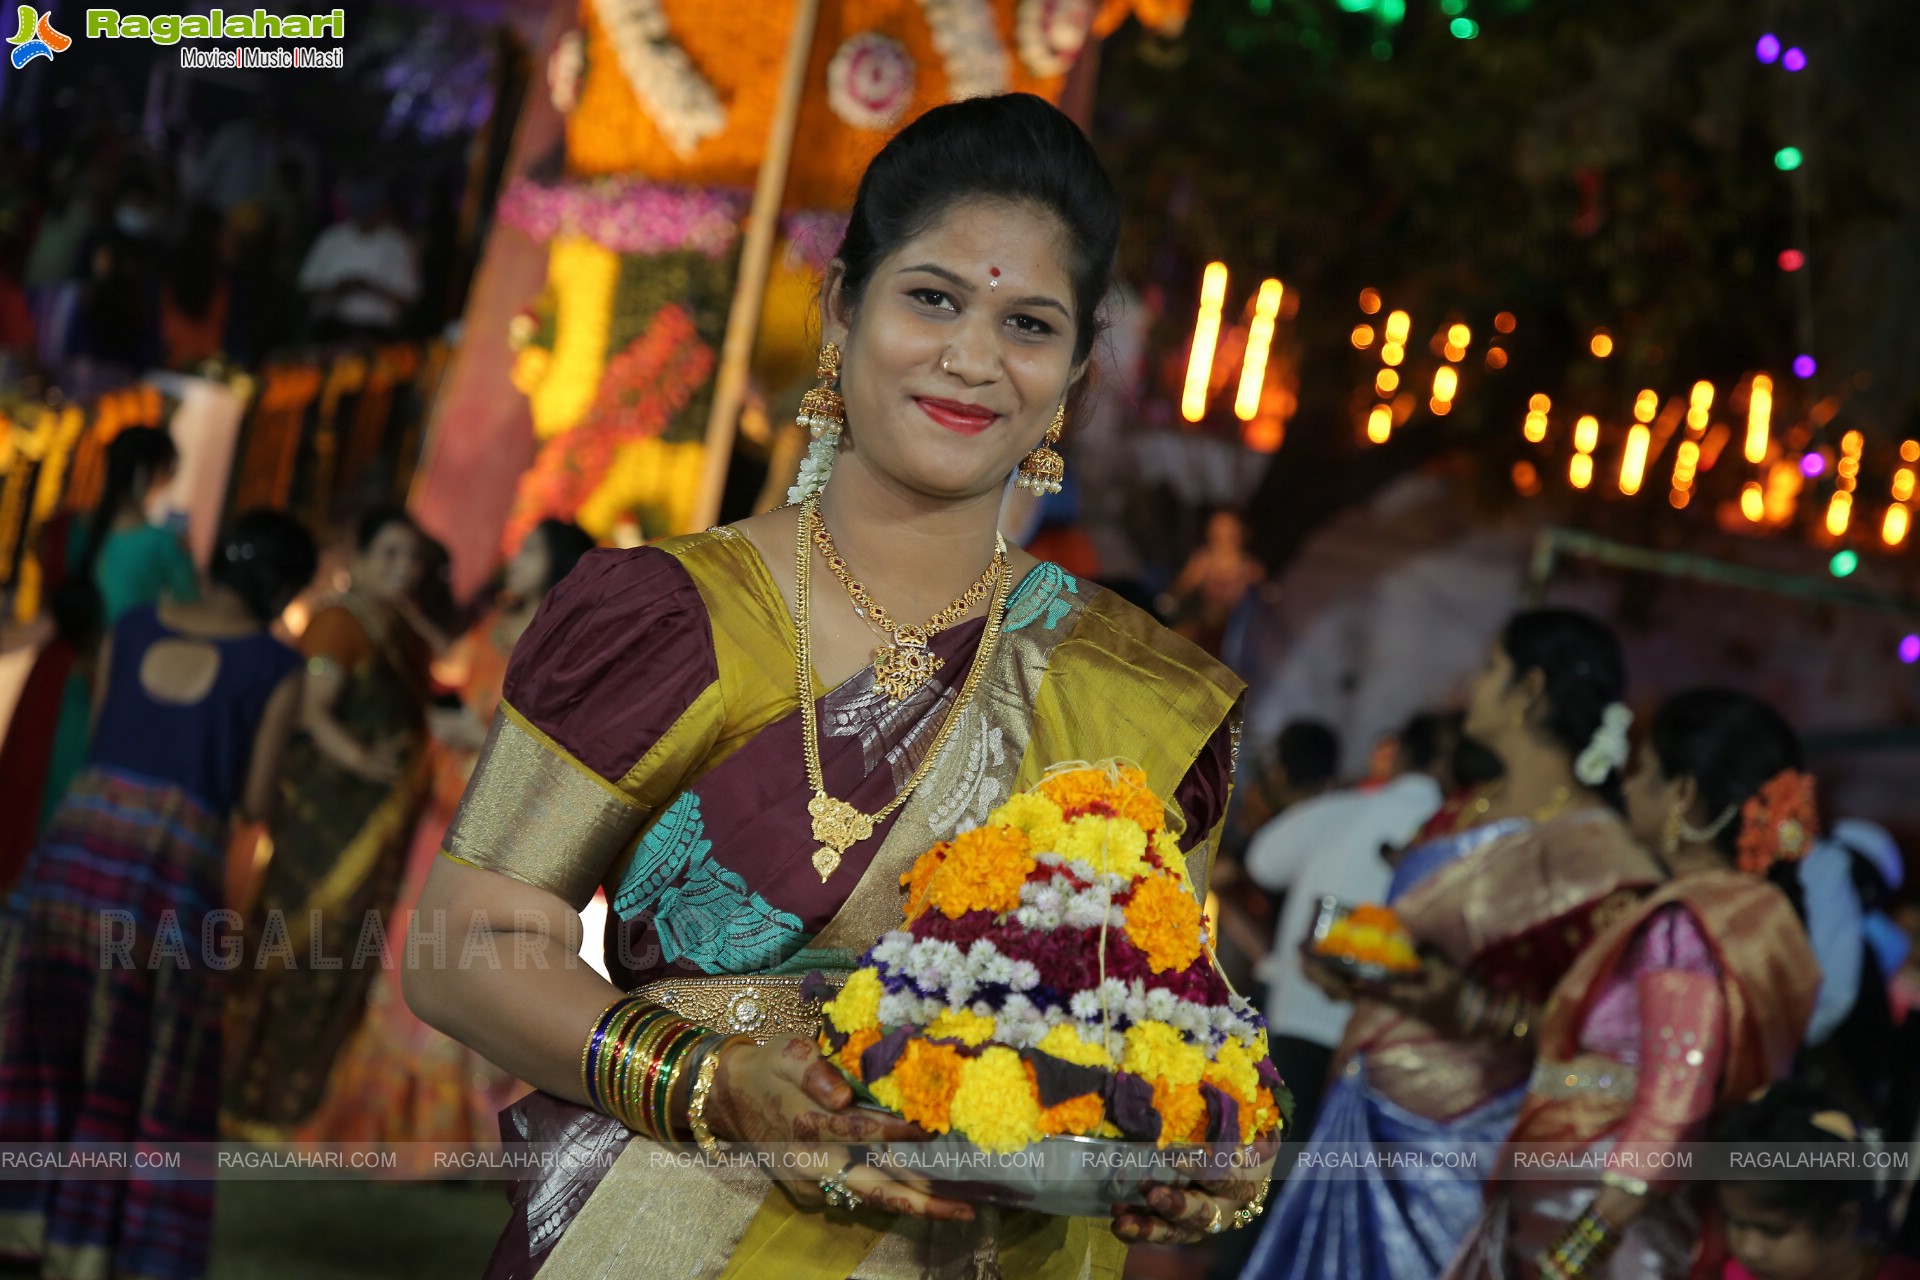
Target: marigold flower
<point x="857" y="1007"/>
<point x="1163" y="920"/>
<point x="1155" y="1050"/>
<point x="1081" y="1115"/>
<point x="1232" y="1069"/>
<point x="963" y="1025"/>
<point x="1183" y="1112"/>
<point x="1064" y="1043"/>
<point x="1034" y="814"/>
<point x="924" y="1084"/>
<point x="857" y="1043"/>
<point x="983" y="871"/>
<point x="1173" y="859"/>
<point x="915" y="882"/>
<point x="996" y="1106"/>
<point x="1124" y="794"/>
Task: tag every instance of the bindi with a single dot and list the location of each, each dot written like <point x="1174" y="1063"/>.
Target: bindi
<point x="993" y="277"/>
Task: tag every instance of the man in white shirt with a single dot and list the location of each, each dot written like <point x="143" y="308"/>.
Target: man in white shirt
<point x="361" y="275"/>
<point x="1334" y="846"/>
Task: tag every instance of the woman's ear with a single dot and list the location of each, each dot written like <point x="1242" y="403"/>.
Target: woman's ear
<point x="1533" y="690"/>
<point x="1683" y="793"/>
<point x="836" y="316"/>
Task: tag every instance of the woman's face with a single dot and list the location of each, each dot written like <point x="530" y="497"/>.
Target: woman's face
<point x="525" y="577"/>
<point x="1495" y="702"/>
<point x="960" y="350"/>
<point x="389" y="569"/>
<point x="1776" y="1245"/>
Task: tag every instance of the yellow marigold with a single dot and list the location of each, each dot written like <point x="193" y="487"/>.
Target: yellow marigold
<point x="1183" y="1112"/>
<point x="963" y="1025"/>
<point x="1126" y="794"/>
<point x="915" y="882"/>
<point x="1233" y="1069"/>
<point x="1106" y="844"/>
<point x="996" y="1106"/>
<point x="1156" y="1050"/>
<point x="983" y="871"/>
<point x="1034" y="814"/>
<point x="922" y="1084"/>
<point x="1163" y="920"/>
<point x="1262" y="1116"/>
<point x="857" y="1043"/>
<point x="1081" y="1115"/>
<point x="857" y="1007"/>
<point x="1167" y="845"/>
<point x="1064" y="1043"/>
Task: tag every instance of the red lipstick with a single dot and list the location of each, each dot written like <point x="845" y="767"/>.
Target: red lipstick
<point x="963" y="419"/>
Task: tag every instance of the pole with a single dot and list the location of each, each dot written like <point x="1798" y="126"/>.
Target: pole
<point x="756" y="255"/>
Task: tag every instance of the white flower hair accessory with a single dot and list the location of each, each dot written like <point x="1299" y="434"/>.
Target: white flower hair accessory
<point x="1607" y="749"/>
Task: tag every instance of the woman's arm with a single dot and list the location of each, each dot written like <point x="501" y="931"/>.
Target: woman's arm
<point x="379" y="762"/>
<point x="257" y="800"/>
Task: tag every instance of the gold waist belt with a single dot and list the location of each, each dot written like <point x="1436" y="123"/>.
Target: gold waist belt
<point x="741" y="1005"/>
<point x="1587" y="1074"/>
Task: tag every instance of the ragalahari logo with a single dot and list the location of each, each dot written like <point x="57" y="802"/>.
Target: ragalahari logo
<point x="37" y="38"/>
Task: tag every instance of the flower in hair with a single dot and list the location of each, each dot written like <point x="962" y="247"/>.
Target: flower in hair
<point x="1777" y="822"/>
<point x="1606" y="751"/>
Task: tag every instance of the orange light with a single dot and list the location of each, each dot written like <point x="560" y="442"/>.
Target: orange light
<point x="1362" y="336"/>
<point x="1686" y="461"/>
<point x="1678" y="499"/>
<point x="1206" y="335"/>
<point x="1839" y="513"/>
<point x="1894" y="531"/>
<point x="1753" y="502"/>
<point x="1253" y="370"/>
<point x="1441" y="408"/>
<point x="1504" y="322"/>
<point x="1392" y="353"/>
<point x="1370" y="300"/>
<point x="1602" y="344"/>
<point x="1847" y="467"/>
<point x="1380" y="423"/>
<point x="1386" y="382"/>
<point x="1446" y="381"/>
<point x="1633" y="464"/>
<point x="1759" y="418"/>
<point x="1399" y="325"/>
<point x="1645" y="405"/>
<point x="1580" y="470"/>
<point x="1496" y="358"/>
<point x="1903" y="484"/>
<point x="1910" y="451"/>
<point x="1540" y="404"/>
<point x="1699" y="404"/>
<point x="1586" y="433"/>
<point x="1851" y="443"/>
<point x="1451" y="352"/>
<point x="1526" y="478"/>
<point x="1459" y="335"/>
<point x="1536" y="428"/>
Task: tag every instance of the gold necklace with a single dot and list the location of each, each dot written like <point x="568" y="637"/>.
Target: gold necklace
<point x="1559" y="800"/>
<point x="837" y="825"/>
<point x="905" y="662"/>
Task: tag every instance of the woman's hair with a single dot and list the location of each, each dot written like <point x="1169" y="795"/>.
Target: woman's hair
<point x="1014" y="147"/>
<point x="433" y="595"/>
<point x="193" y="276"/>
<point x="1730" y="743"/>
<point x="1796" y="1112"/>
<point x="565" y="543"/>
<point x="135" y="456"/>
<point x="1584" y="671"/>
<point x="266" y="558"/>
<point x="374" y="521"/>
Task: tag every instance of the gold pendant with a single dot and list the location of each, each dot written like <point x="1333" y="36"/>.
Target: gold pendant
<point x="900" y="668"/>
<point x="838" y="826"/>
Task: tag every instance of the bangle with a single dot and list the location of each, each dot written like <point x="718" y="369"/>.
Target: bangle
<point x="642" y="1056"/>
<point x="703" y="1089"/>
<point x="593" y="1042"/>
<point x="1624" y="1182"/>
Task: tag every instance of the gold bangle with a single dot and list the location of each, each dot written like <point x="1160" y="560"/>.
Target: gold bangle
<point x="702" y="1090"/>
<point x="622" y="1097"/>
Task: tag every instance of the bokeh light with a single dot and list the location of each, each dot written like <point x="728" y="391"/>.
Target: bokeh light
<point x="1843" y="563"/>
<point x="1793" y="60"/>
<point x="1768" y="48"/>
<point x="1804" y="367"/>
<point x="1792" y="259"/>
<point x="1910" y="649"/>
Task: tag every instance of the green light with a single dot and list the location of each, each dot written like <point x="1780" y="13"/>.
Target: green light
<point x="1464" y="28"/>
<point x="1262" y="8"/>
<point x="1453" y="8"/>
<point x="1357" y="6"/>
<point x="1382" y="50"/>
<point x="1787" y="159"/>
<point x="1393" y="12"/>
<point x="1843" y="563"/>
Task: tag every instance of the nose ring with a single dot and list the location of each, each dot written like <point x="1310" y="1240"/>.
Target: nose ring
<point x="946" y="365"/>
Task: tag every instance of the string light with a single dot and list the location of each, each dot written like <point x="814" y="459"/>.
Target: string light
<point x="1753" y="502"/>
<point x="1812" y="466"/>
<point x="1253" y="371"/>
<point x="1839" y="512"/>
<point x="1526" y="478"/>
<point x="1699" y="404"/>
<point x="1633" y="464"/>
<point x="1496" y="358"/>
<point x="1843" y="563"/>
<point x="1580" y="470"/>
<point x="1370" y="301"/>
<point x="1386" y="382"/>
<point x="1399" y="325"/>
<point x="1894" y="531"/>
<point x="1768" y="48"/>
<point x="1536" y="426"/>
<point x="1601" y="344"/>
<point x="1759" y="418"/>
<point x="1380" y="423"/>
<point x="1804" y="367"/>
<point x="1787" y="159"/>
<point x="1903" y="484"/>
<point x="1504" y="322"/>
<point x="1792" y="259"/>
<point x="1459" y="335"/>
<point x="1206" y="334"/>
<point x="1446" y="381"/>
<point x="1392" y="353"/>
<point x="1362" y="336"/>
<point x="1645" y="405"/>
<point x="1910" y="451"/>
<point x="1793" y="60"/>
<point x="1586" y="433"/>
<point x="1910" y="649"/>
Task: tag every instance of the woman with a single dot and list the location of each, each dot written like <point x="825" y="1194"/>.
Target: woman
<point x="115" y="562"/>
<point x="1691" y="1002"/>
<point x="351" y="788"/>
<point x="399" y="1080"/>
<point x="1500" y="909"/>
<point x="720" y="700"/>
<point x="111" y="1023"/>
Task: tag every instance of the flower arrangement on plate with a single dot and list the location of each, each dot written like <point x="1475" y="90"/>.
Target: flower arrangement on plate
<point x="1368" y="939"/>
<point x="1051" y="984"/>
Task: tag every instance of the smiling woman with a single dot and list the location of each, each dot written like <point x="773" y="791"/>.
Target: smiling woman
<point x="748" y="736"/>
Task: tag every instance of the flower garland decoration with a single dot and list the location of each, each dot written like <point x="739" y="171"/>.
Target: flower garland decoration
<point x="677" y="98"/>
<point x="870" y="80"/>
<point x="1607" y="750"/>
<point x="1778" y="822"/>
<point x="565" y="67"/>
<point x="968" y="39"/>
<point x="1052" y="976"/>
<point x="1050" y="34"/>
<point x="628" y="215"/>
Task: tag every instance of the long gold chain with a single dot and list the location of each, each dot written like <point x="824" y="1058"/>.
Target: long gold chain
<point x="905" y="662"/>
<point x="837" y="825"/>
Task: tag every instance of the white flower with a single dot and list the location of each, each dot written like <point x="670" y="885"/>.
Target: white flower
<point x="1191" y="1019"/>
<point x="1085" y="1005"/>
<point x="1086" y="910"/>
<point x="892" y="948"/>
<point x="899" y="1008"/>
<point x="1607" y="750"/>
<point x="1160" y="1004"/>
<point x="676" y="97"/>
<point x="1025" y="976"/>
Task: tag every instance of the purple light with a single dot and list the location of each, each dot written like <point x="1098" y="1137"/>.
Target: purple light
<point x="1910" y="650"/>
<point x="1803" y="366"/>
<point x="1793" y="60"/>
<point x="1812" y="464"/>
<point x="1768" y="50"/>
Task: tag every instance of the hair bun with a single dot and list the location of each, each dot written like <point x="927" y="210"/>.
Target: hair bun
<point x="1778" y="822"/>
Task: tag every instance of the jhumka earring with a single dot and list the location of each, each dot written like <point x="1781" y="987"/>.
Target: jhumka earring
<point x="1042" y="470"/>
<point x="824" y="415"/>
<point x="1670" y="834"/>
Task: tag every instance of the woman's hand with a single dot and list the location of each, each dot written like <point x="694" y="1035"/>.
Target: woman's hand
<point x="382" y="762"/>
<point x="1333" y="983"/>
<point x="1431" y="993"/>
<point x="1176" y="1215"/>
<point x="785" y="1093"/>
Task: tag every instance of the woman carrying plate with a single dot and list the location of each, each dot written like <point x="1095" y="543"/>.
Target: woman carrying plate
<point x="1439" y="1062"/>
<point x="748" y="735"/>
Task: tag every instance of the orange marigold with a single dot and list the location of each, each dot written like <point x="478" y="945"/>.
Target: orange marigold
<point x="915" y="882"/>
<point x="1163" y="920"/>
<point x="1124" y="795"/>
<point x="857" y="1043"/>
<point x="922" y="1084"/>
<point x="1183" y="1112"/>
<point x="982" y="871"/>
<point x="1080" y="1115"/>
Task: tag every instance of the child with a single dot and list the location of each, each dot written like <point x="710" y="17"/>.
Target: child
<point x="1832" y="1228"/>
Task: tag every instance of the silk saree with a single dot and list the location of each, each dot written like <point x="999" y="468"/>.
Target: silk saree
<point x="649" y="744"/>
